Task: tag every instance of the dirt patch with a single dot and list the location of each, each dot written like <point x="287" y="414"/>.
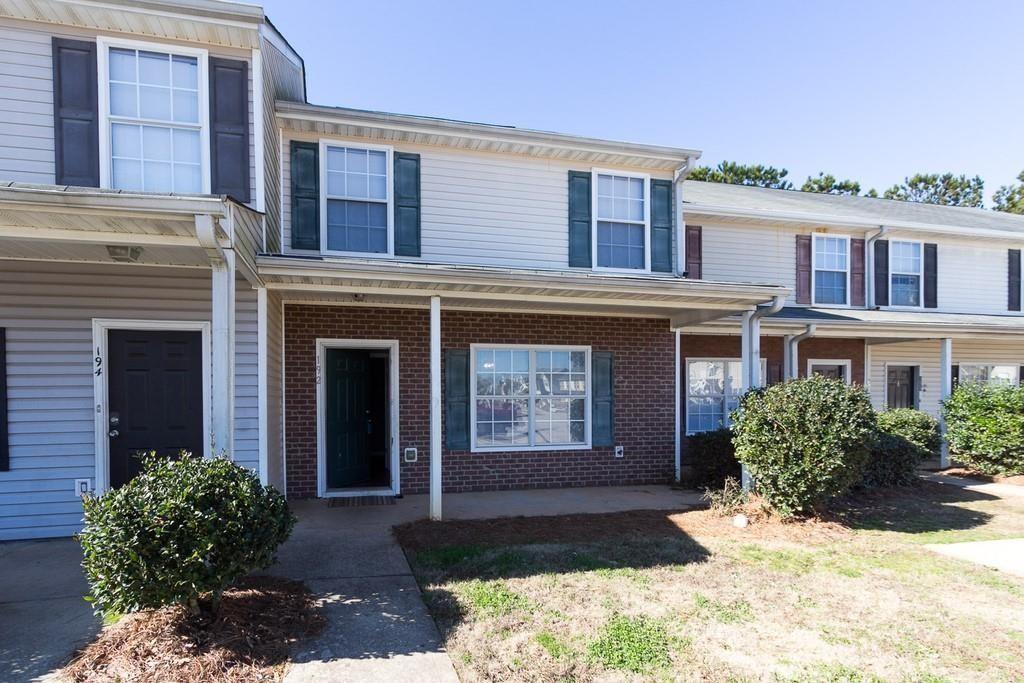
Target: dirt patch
<point x="259" y="624"/>
<point x="506" y="531"/>
<point x="967" y="473"/>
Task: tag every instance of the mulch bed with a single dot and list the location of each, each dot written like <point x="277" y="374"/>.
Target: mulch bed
<point x="260" y="622"/>
<point x="588" y="528"/>
<point x="1016" y="480"/>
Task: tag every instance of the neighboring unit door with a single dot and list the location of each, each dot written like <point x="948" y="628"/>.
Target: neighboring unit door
<point x="346" y="426"/>
<point x="901" y="390"/>
<point x="154" y="397"/>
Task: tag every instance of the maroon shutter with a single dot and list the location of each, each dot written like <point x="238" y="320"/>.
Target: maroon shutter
<point x="694" y="248"/>
<point x="856" y="272"/>
<point x="1013" y="280"/>
<point x="803" y="269"/>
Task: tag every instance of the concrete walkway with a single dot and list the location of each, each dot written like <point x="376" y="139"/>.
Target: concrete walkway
<point x="1006" y="555"/>
<point x="43" y="618"/>
<point x="991" y="488"/>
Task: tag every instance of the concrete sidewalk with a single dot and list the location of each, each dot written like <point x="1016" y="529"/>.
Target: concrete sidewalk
<point x="1006" y="555"/>
<point x="43" y="618"/>
<point x="991" y="488"/>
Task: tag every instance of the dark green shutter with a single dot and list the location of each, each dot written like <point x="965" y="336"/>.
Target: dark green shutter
<point x="76" y="144"/>
<point x="229" y="128"/>
<point x="603" y="401"/>
<point x="579" y="219"/>
<point x="407" y="204"/>
<point x="1013" y="280"/>
<point x="661" y="226"/>
<point x="954" y="373"/>
<point x="931" y="276"/>
<point x="5" y="453"/>
<point x="881" y="268"/>
<point x="305" y="170"/>
<point x="456" y="399"/>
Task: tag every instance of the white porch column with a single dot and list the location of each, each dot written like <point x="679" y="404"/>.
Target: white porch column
<point x="261" y="381"/>
<point x="679" y="408"/>
<point x="222" y="353"/>
<point x="746" y="358"/>
<point x="945" y="389"/>
<point x="435" y="407"/>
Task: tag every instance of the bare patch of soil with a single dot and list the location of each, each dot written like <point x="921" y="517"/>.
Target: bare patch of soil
<point x="260" y="622"/>
<point x="967" y="473"/>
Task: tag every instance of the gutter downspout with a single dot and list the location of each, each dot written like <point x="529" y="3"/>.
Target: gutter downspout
<point x="869" y="258"/>
<point x="754" y="338"/>
<point x="677" y="182"/>
<point x="792" y="344"/>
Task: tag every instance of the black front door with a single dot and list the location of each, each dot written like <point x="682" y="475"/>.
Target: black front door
<point x="154" y="397"/>
<point x="901" y="390"/>
<point x="346" y="423"/>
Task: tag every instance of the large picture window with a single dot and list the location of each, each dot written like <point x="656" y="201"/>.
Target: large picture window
<point x="989" y="374"/>
<point x="530" y="398"/>
<point x="623" y="219"/>
<point x="905" y="279"/>
<point x="712" y="392"/>
<point x="357" y="189"/>
<point x="155" y="113"/>
<point x="831" y="270"/>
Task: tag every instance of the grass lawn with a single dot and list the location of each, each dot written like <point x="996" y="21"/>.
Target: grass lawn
<point x="686" y="596"/>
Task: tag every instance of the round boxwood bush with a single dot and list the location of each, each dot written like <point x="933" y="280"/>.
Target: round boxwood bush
<point x="905" y="438"/>
<point x="985" y="427"/>
<point x="804" y="441"/>
<point x="180" y="533"/>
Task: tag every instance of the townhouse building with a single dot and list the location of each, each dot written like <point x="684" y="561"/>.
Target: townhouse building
<point x="350" y="303"/>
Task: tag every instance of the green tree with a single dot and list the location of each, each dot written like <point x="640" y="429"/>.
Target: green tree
<point x="733" y="173"/>
<point x="1010" y="198"/>
<point x="946" y="189"/>
<point x="828" y="184"/>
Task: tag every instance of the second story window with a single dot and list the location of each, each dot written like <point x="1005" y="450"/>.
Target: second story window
<point x="905" y="273"/>
<point x="831" y="270"/>
<point x="357" y="195"/>
<point x="623" y="219"/>
<point x="155" y="120"/>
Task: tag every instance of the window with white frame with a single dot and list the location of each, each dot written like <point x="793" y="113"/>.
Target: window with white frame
<point x="622" y="221"/>
<point x="155" y="120"/>
<point x="831" y="270"/>
<point x="833" y="369"/>
<point x="905" y="264"/>
<point x="989" y="374"/>
<point x="357" y="197"/>
<point x="530" y="397"/>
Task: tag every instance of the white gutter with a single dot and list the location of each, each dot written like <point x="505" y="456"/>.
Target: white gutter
<point x="790" y="351"/>
<point x="869" y="259"/>
<point x="846" y="222"/>
<point x="678" y="177"/>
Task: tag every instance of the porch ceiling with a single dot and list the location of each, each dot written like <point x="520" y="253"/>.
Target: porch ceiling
<point x="388" y="282"/>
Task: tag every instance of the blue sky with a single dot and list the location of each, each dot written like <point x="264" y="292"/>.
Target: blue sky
<point x="872" y="91"/>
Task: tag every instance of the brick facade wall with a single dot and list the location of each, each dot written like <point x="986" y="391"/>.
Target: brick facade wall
<point x="644" y="385"/>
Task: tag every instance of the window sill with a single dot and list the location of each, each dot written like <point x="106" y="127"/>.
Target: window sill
<point x="531" y="449"/>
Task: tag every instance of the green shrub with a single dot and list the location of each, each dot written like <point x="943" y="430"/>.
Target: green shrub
<point x="905" y="438"/>
<point x="917" y="427"/>
<point x="985" y="427"/>
<point x="180" y="532"/>
<point x="804" y="441"/>
<point x="713" y="459"/>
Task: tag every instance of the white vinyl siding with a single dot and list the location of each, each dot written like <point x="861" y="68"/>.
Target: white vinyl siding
<point x="729" y="252"/>
<point x="48" y="315"/>
<point x="925" y="354"/>
<point x="275" y="391"/>
<point x="26" y="99"/>
<point x="477" y="208"/>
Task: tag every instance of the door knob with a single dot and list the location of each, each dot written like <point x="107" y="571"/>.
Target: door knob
<point x="113" y="433"/>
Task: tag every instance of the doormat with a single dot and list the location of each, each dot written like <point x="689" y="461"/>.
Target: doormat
<point x="359" y="501"/>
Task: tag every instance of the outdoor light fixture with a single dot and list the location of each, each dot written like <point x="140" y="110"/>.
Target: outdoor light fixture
<point x="123" y="254"/>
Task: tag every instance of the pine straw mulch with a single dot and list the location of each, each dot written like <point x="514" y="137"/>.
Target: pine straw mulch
<point x="260" y="622"/>
<point x="583" y="528"/>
